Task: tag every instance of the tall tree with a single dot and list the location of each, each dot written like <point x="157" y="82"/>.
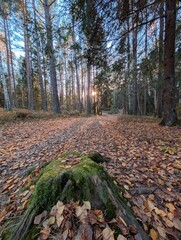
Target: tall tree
<point x="27" y="55"/>
<point x="169" y="105"/>
<point x="50" y="53"/>
<point x="134" y="38"/>
<point x="160" y="67"/>
<point x="40" y="73"/>
<point x="6" y="94"/>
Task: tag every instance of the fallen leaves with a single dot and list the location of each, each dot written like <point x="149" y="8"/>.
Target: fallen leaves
<point x="154" y="234"/>
<point x="145" y="159"/>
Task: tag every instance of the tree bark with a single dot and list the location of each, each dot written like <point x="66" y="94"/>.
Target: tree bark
<point x="12" y="68"/>
<point x="27" y="55"/>
<point x="160" y="68"/>
<point x="169" y="106"/>
<point x="76" y="69"/>
<point x="88" y="109"/>
<point x="128" y="70"/>
<point x="135" y="85"/>
<point x="43" y="97"/>
<point x="8" y="62"/>
<point x="50" y="53"/>
<point x="145" y="77"/>
<point x="6" y="94"/>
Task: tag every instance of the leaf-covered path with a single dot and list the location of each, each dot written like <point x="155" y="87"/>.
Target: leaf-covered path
<point x="145" y="160"/>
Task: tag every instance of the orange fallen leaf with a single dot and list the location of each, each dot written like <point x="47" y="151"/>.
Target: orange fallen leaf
<point x="170" y="206"/>
<point x="153" y="234"/>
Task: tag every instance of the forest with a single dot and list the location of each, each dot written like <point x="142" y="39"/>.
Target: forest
<point x="89" y="56"/>
<point x="90" y="115"/>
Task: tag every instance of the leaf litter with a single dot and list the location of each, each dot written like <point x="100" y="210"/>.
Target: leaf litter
<point x="145" y="161"/>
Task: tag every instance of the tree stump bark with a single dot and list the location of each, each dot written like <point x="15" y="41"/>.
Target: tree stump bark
<point x="87" y="181"/>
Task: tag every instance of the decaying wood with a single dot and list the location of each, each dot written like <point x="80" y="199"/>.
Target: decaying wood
<point x="85" y="181"/>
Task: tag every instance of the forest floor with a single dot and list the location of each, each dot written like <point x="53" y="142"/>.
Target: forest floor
<point x="145" y="160"/>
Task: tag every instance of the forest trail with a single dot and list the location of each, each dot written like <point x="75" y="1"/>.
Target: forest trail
<point x="144" y="160"/>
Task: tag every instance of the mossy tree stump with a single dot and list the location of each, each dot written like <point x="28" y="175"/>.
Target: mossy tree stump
<point x="86" y="181"/>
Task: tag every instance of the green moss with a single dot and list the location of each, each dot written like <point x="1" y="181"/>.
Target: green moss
<point x="6" y="235"/>
<point x="55" y="176"/>
<point x="110" y="211"/>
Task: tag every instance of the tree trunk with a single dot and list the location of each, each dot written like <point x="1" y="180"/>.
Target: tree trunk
<point x="5" y="90"/>
<point x="145" y="77"/>
<point x="135" y="85"/>
<point x="43" y="97"/>
<point x="160" y="68"/>
<point x="76" y="69"/>
<point x="27" y="51"/>
<point x="87" y="181"/>
<point x="61" y="86"/>
<point x="169" y="106"/>
<point x="12" y="67"/>
<point x="8" y="62"/>
<point x="50" y="53"/>
<point x="128" y="70"/>
<point x="88" y="109"/>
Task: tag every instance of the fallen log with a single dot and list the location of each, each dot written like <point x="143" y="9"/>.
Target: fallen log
<point x="86" y="181"/>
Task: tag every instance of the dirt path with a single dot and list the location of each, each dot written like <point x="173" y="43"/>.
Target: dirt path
<point x="145" y="160"/>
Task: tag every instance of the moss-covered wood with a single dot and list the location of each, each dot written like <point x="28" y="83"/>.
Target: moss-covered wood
<point x="85" y="181"/>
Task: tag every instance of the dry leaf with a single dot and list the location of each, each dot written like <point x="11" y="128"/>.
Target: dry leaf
<point x="59" y="219"/>
<point x="108" y="234"/>
<point x="60" y="209"/>
<point x="83" y="216"/>
<point x="53" y="211"/>
<point x="150" y="205"/>
<point x="37" y="219"/>
<point x="177" y="223"/>
<point x="170" y="216"/>
<point x="161" y="231"/>
<point x="44" y="233"/>
<point x="168" y="222"/>
<point x="87" y="205"/>
<point x="153" y="234"/>
<point x="59" y="204"/>
<point x="51" y="220"/>
<point x="160" y="212"/>
<point x="45" y="223"/>
<point x="170" y="206"/>
<point x="79" y="210"/>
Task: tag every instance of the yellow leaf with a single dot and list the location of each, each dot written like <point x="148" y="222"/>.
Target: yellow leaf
<point x="153" y="234"/>
<point x="160" y="182"/>
<point x="170" y="216"/>
<point x="51" y="220"/>
<point x="170" y="206"/>
<point x="160" y="212"/>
